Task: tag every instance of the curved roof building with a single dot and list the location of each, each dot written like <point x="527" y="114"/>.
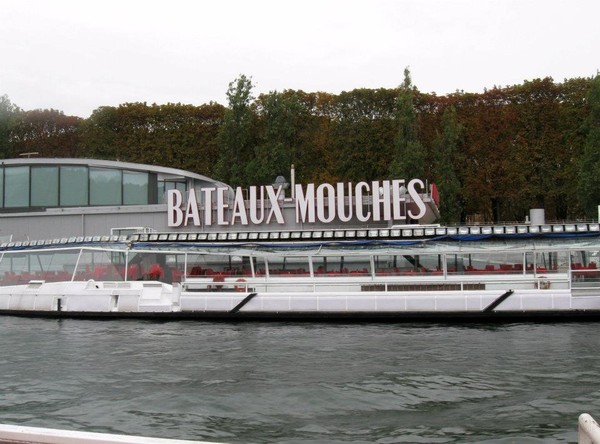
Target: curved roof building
<point x="68" y="197"/>
<point x="63" y="198"/>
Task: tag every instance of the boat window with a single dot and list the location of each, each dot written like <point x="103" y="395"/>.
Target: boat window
<point x="73" y="186"/>
<point x="288" y="266"/>
<point x="13" y="269"/>
<point x="100" y="266"/>
<point x="49" y="266"/>
<point x="484" y="262"/>
<point x="407" y="264"/>
<point x="585" y="267"/>
<point x="584" y="259"/>
<point x="196" y="265"/>
<point x="547" y="262"/>
<point x="260" y="265"/>
<point x="156" y="266"/>
<point x="44" y="186"/>
<point x="218" y="265"/>
<point x="342" y="265"/>
<point x="176" y="264"/>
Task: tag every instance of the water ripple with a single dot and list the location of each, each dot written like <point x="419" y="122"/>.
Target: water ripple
<point x="301" y="383"/>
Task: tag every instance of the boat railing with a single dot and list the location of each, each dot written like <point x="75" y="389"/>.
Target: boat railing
<point x="363" y="283"/>
<point x="476" y="223"/>
<point x="585" y="277"/>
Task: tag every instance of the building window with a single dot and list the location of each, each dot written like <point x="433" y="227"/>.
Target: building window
<point x="105" y="186"/>
<point x="160" y="187"/>
<point x="166" y="185"/>
<point x="1" y="187"/>
<point x="44" y="186"/>
<point x="73" y="186"/>
<point x="135" y="188"/>
<point x="175" y="185"/>
<point x="16" y="180"/>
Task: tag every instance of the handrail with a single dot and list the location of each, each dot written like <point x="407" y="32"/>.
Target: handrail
<point x="396" y="283"/>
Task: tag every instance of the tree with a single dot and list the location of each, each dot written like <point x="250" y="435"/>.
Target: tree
<point x="48" y="132"/>
<point x="520" y="146"/>
<point x="236" y="138"/>
<point x="181" y="136"/>
<point x="281" y="113"/>
<point x="99" y="134"/>
<point x="445" y="152"/>
<point x="589" y="178"/>
<point x="573" y="111"/>
<point x="535" y="171"/>
<point x="362" y="134"/>
<point x="490" y="124"/>
<point x="8" y="112"/>
<point x="409" y="155"/>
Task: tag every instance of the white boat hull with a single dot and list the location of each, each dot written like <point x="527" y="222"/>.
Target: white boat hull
<point x="158" y="300"/>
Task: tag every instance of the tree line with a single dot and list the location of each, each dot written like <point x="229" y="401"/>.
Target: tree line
<point x="493" y="155"/>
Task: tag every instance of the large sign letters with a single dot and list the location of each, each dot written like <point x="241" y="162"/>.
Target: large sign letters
<point x="365" y="201"/>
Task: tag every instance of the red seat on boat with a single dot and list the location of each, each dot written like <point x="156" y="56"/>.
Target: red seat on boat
<point x="134" y="272"/>
<point x="155" y="272"/>
<point x="196" y="271"/>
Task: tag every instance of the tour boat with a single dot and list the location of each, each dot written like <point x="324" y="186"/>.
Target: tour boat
<point x="409" y="272"/>
<point x="205" y="250"/>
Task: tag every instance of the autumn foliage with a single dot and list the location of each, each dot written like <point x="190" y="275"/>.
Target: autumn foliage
<point x="497" y="153"/>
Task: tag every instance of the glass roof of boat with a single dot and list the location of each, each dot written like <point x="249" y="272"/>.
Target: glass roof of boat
<point x="431" y="245"/>
<point x="395" y="236"/>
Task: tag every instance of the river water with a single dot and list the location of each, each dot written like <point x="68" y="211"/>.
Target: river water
<point x="301" y="382"/>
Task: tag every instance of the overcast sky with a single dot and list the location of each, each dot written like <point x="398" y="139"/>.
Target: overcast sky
<point x="78" y="55"/>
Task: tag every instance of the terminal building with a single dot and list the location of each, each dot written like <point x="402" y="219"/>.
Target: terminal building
<point x="48" y="198"/>
<point x="65" y="198"/>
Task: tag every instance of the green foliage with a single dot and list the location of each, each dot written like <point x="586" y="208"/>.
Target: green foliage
<point x="362" y="134"/>
<point x="99" y="134"/>
<point x="446" y="148"/>
<point x="280" y="115"/>
<point x="589" y="179"/>
<point x="537" y="105"/>
<point x="180" y="136"/>
<point x="409" y="155"/>
<point x="47" y="132"/>
<point x="236" y="137"/>
<point x="8" y="113"/>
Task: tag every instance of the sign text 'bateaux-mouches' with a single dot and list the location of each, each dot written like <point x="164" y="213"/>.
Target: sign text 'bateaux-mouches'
<point x="325" y="203"/>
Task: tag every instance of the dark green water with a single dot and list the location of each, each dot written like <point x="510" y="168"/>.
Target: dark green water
<point x="300" y="383"/>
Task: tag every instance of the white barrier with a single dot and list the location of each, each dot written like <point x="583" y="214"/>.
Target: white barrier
<point x="589" y="430"/>
<point x="37" y="435"/>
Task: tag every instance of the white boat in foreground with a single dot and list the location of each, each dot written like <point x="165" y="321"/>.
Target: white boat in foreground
<point x="588" y="433"/>
<point x="13" y="434"/>
<point x="481" y="273"/>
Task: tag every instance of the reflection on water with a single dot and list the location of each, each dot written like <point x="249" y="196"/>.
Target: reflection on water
<point x="292" y="383"/>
